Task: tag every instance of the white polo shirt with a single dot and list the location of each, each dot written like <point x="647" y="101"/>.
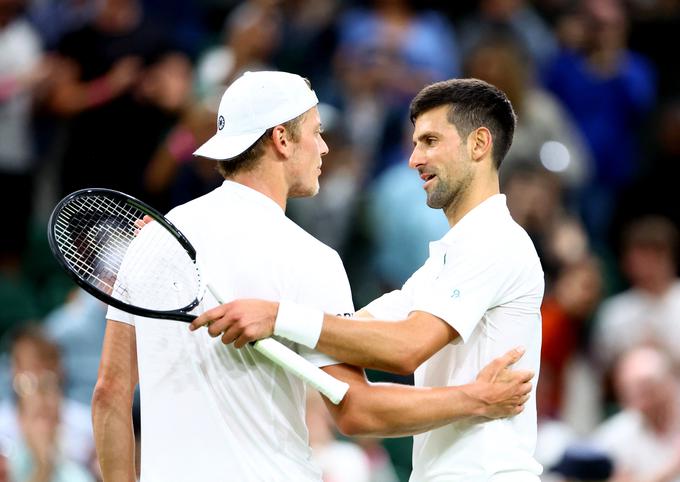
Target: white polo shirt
<point x="211" y="412"/>
<point x="484" y="278"/>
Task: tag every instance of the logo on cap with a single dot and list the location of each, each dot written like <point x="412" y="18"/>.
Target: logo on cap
<point x="220" y="122"/>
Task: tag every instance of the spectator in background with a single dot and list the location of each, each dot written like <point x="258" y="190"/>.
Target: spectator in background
<point x="250" y="34"/>
<point x="40" y="422"/>
<point x="386" y="54"/>
<point x="23" y="70"/>
<point x="420" y="43"/>
<point x="545" y="134"/>
<point x="23" y="76"/>
<point x="649" y="311"/>
<point x="535" y="202"/>
<point x="566" y="309"/>
<point x="38" y="456"/>
<point x="55" y="18"/>
<point x="184" y="19"/>
<point x="644" y="438"/>
<point x="328" y="216"/>
<point x="310" y="30"/>
<point x="77" y="328"/>
<point x="573" y="290"/>
<point x="121" y="85"/>
<point x="518" y="18"/>
<point x="401" y="225"/>
<point x="608" y="90"/>
<point x="656" y="190"/>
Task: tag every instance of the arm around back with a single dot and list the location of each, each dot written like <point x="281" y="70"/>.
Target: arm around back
<point x="393" y="410"/>
<point x="112" y="403"/>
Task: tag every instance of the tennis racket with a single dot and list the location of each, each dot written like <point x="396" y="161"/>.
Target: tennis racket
<point x="151" y="272"/>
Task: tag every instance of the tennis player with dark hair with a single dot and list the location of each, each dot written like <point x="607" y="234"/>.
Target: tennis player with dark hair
<point x="210" y="412"/>
<point x="478" y="294"/>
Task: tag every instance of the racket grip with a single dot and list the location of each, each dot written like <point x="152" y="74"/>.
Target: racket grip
<point x="286" y="358"/>
<point x="283" y="356"/>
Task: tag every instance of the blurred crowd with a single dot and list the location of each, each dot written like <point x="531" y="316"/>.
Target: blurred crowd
<point x="118" y="94"/>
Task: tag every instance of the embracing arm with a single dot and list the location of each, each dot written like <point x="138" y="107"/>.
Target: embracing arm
<point x="393" y="346"/>
<point x="397" y="347"/>
<point x="393" y="410"/>
<point x="112" y="403"/>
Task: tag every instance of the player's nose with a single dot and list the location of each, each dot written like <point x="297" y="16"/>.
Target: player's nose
<point x="416" y="159"/>
<point x="323" y="147"/>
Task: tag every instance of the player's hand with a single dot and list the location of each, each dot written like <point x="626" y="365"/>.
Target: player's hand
<point x="502" y="392"/>
<point x="240" y="321"/>
<point x="140" y="223"/>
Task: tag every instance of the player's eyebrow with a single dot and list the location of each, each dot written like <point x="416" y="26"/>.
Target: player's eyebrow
<point x="424" y="136"/>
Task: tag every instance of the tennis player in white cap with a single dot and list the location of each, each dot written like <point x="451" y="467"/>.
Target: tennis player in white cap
<point x="211" y="412"/>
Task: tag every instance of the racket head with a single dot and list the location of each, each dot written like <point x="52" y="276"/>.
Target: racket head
<point x="93" y="236"/>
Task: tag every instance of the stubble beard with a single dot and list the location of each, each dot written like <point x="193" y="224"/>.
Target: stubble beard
<point x="304" y="190"/>
<point x="446" y="194"/>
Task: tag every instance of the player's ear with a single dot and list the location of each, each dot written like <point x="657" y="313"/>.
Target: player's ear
<point x="479" y="143"/>
<point x="281" y="141"/>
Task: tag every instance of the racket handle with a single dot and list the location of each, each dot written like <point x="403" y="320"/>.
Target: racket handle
<point x="286" y="358"/>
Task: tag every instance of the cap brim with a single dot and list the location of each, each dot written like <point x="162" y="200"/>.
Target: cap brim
<point x="222" y="147"/>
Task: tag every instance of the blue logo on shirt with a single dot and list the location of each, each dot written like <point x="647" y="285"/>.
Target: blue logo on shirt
<point x="220" y="122"/>
<point x="455" y="294"/>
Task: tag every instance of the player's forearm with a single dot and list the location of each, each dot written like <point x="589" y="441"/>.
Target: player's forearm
<point x="379" y="345"/>
<point x="42" y="472"/>
<point x="113" y="433"/>
<point x="391" y="410"/>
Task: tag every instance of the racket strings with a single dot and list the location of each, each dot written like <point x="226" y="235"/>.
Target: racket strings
<point x="86" y="236"/>
<point x="100" y="240"/>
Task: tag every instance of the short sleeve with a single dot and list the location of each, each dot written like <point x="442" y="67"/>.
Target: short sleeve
<point x="397" y="304"/>
<point x="115" y="314"/>
<point x="463" y="291"/>
<point x="394" y="305"/>
<point x="329" y="290"/>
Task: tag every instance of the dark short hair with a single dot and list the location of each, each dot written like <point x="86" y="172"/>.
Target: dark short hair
<point x="247" y="160"/>
<point x="652" y="231"/>
<point x="472" y="103"/>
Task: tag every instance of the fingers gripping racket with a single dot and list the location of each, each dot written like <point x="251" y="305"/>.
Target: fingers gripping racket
<point x="151" y="272"/>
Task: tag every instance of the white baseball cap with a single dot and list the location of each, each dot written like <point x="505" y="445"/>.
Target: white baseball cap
<point x="252" y="104"/>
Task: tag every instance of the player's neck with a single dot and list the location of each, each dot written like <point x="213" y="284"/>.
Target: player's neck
<point x="264" y="182"/>
<point x="481" y="189"/>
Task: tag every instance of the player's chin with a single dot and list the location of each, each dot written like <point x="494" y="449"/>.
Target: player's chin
<point x="306" y="191"/>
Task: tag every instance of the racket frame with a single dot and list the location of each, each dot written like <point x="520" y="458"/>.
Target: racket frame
<point x="278" y="353"/>
<point x="181" y="314"/>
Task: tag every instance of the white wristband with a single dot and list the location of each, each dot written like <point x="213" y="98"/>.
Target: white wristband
<point x="299" y="323"/>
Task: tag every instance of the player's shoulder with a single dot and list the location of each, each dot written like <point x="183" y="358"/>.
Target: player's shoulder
<point x="192" y="210"/>
<point x="519" y="240"/>
<point x="307" y="243"/>
<point x="515" y="253"/>
<point x="501" y="237"/>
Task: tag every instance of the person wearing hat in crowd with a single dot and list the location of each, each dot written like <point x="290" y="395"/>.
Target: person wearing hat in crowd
<point x="214" y="413"/>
